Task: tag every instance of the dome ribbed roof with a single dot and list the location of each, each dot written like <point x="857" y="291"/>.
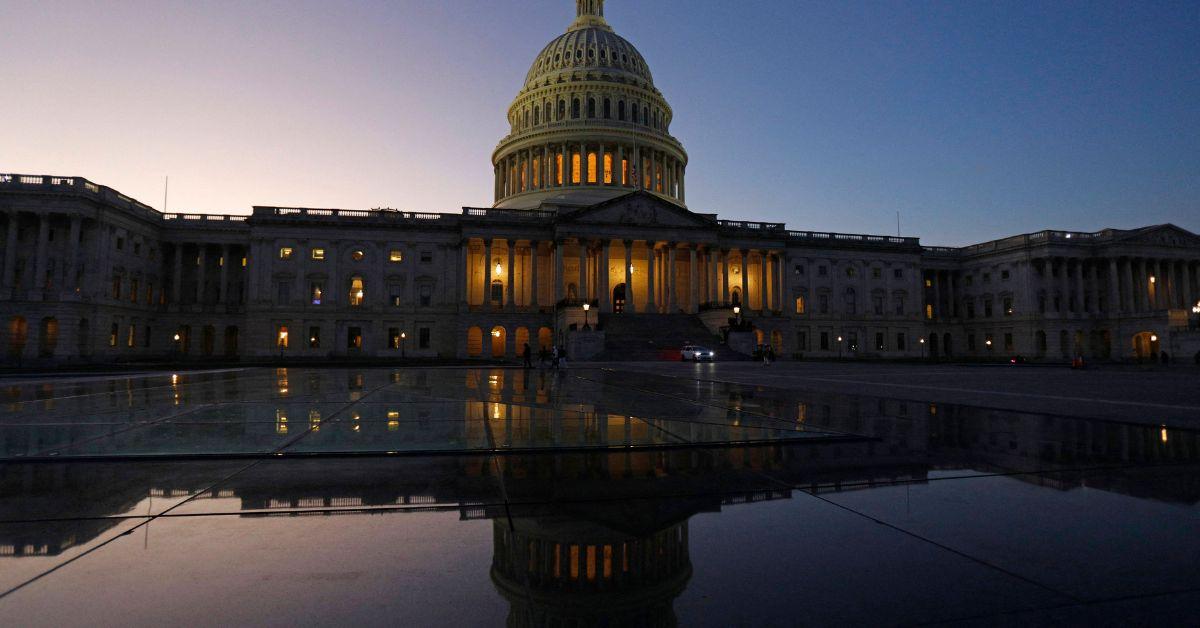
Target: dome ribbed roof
<point x="593" y="48"/>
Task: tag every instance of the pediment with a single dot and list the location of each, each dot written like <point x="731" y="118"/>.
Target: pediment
<point x="1162" y="235"/>
<point x="641" y="209"/>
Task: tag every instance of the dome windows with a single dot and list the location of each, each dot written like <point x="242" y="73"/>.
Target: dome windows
<point x="575" y="108"/>
<point x="591" y="108"/>
<point x="621" y="110"/>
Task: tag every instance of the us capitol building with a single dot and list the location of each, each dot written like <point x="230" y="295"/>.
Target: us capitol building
<point x="590" y="209"/>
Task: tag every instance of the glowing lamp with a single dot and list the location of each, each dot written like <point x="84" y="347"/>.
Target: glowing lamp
<point x="587" y="306"/>
<point x="1153" y="337"/>
<point x="737" y="310"/>
<point x="176" y="337"/>
<point x="499" y="270"/>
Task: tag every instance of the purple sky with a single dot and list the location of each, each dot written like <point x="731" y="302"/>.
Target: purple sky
<point x="975" y="120"/>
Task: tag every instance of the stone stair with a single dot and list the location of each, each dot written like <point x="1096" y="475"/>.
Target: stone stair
<point x="647" y="337"/>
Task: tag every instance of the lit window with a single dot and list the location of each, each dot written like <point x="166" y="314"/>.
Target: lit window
<point x="395" y="256"/>
<point x="591" y="165"/>
<point x="285" y="252"/>
<point x="318" y="254"/>
<point x="575" y="168"/>
<point x="281" y="337"/>
<point x="244" y="262"/>
<point x="357" y="294"/>
<point x="799" y="305"/>
<point x="316" y="292"/>
<point x="357" y="255"/>
<point x="314" y="337"/>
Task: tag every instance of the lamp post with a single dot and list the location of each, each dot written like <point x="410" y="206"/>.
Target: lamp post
<point x="737" y="314"/>
<point x="839" y="339"/>
<point x="403" y="335"/>
<point x="586" y="307"/>
<point x="922" y="342"/>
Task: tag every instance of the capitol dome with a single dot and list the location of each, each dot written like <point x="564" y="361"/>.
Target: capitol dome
<point x="588" y="124"/>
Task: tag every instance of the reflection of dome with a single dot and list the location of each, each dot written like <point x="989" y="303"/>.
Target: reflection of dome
<point x="588" y="124"/>
<point x="569" y="572"/>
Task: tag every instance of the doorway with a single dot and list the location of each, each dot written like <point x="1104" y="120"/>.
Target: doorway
<point x="618" y="299"/>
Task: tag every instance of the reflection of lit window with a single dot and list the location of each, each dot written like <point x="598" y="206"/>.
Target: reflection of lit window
<point x="357" y="293"/>
<point x="395" y="256"/>
<point x="314" y="420"/>
<point x="281" y="422"/>
<point x="285" y="252"/>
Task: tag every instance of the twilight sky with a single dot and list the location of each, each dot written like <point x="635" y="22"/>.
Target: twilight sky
<point x="975" y="120"/>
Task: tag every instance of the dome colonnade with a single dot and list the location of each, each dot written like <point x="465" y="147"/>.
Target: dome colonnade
<point x="588" y="125"/>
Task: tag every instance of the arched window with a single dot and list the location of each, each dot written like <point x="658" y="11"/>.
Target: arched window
<point x="591" y="108"/>
<point x="800" y="304"/>
<point x="562" y="109"/>
<point x="634" y="112"/>
<point x="607" y="109"/>
<point x="851" y="301"/>
<point x="497" y="293"/>
<point x="526" y="118"/>
<point x="499" y="340"/>
<point x="545" y="338"/>
<point x="645" y="115"/>
<point x="18" y="335"/>
<point x="474" y="342"/>
<point x="48" y="337"/>
<point x="521" y="339"/>
<point x="357" y="291"/>
<point x="575" y="166"/>
<point x="536" y="110"/>
<point x="621" y="110"/>
<point x="591" y="172"/>
<point x="575" y="108"/>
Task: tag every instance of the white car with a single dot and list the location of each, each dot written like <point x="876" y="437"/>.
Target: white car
<point x="697" y="353"/>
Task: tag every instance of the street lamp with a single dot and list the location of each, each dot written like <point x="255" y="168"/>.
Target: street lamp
<point x="586" y="307"/>
<point x="737" y="313"/>
<point x="922" y="341"/>
<point x="839" y="339"/>
<point x="403" y="335"/>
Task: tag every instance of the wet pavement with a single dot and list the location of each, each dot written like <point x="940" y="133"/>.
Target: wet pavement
<point x="594" y="496"/>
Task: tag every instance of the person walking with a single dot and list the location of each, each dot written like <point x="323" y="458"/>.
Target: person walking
<point x="528" y="356"/>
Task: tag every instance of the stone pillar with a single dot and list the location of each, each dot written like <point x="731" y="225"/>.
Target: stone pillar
<point x="636" y="170"/>
<point x="725" y="294"/>
<point x="1064" y="284"/>
<point x="1079" y="305"/>
<point x="713" y="284"/>
<point x="1114" y="287"/>
<point x="43" y="242"/>
<point x="693" y="282"/>
<point x="487" y="272"/>
<point x="71" y="281"/>
<point x="222" y="291"/>
<point x="584" y="294"/>
<point x="600" y="165"/>
<point x="177" y="278"/>
<point x="763" y="305"/>
<point x="10" y="250"/>
<point x="652" y="282"/>
<point x="464" y="271"/>
<point x="201" y="261"/>
<point x="781" y="277"/>
<point x="937" y="295"/>
<point x="1130" y="302"/>
<point x="682" y="178"/>
<point x="510" y="289"/>
<point x="669" y="299"/>
<point x="629" y="300"/>
<point x="533" y="274"/>
<point x="602" y="278"/>
<point x="1189" y="300"/>
<point x="558" y="271"/>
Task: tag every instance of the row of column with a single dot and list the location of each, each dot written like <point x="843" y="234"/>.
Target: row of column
<point x="599" y="164"/>
<point x="225" y="256"/>
<point x="711" y="265"/>
<point x="38" y="275"/>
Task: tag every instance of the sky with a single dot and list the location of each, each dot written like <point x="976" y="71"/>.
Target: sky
<point x="974" y="120"/>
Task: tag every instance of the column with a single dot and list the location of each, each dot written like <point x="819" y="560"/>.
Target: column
<point x="619" y="175"/>
<point x="509" y="286"/>
<point x="1079" y="305"/>
<point x="558" y="270"/>
<point x="10" y="250"/>
<point x="781" y="276"/>
<point x="713" y="285"/>
<point x="682" y="178"/>
<point x="565" y="169"/>
<point x="602" y="279"/>
<point x="1064" y="284"/>
<point x="528" y="170"/>
<point x="629" y="300"/>
<point x="937" y="295"/>
<point x="725" y="294"/>
<point x="1114" y="287"/>
<point x="763" y="305"/>
<point x="693" y="282"/>
<point x="221" y="290"/>
<point x="70" y="282"/>
<point x="637" y="169"/>
<point x="1189" y="299"/>
<point x="464" y="272"/>
<point x="669" y="299"/>
<point x="652" y="267"/>
<point x="584" y="294"/>
<point x="600" y="165"/>
<point x="533" y="274"/>
<point x="1129" y="303"/>
<point x="43" y="241"/>
<point x="487" y="273"/>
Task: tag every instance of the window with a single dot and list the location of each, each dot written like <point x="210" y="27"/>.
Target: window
<point x="354" y="339"/>
<point x="285" y="252"/>
<point x="1005" y="275"/>
<point x="133" y="290"/>
<point x="113" y="332"/>
<point x="851" y="271"/>
<point x="899" y="304"/>
<point x="987" y="308"/>
<point x="137" y="246"/>
<point x="970" y="308"/>
<point x="823" y="303"/>
<point x="1008" y="342"/>
<point x="928" y="283"/>
<point x="394" y="297"/>
<point x="987" y="277"/>
<point x="802" y="340"/>
<point x="393" y="337"/>
<point x="283" y="294"/>
<point x="426" y="257"/>
<point x="130" y="339"/>
<point x="116" y="287"/>
<point x="824" y="341"/>
<point x="395" y="256"/>
<point x="900" y="342"/>
<point x="120" y="243"/>
<point x="1008" y="306"/>
<point x="314" y="337"/>
<point x="851" y="301"/>
<point x="281" y="336"/>
<point x="799" y="269"/>
<point x="426" y="295"/>
<point x="800" y="305"/>
<point x="877" y="303"/>
<point x="423" y="338"/>
<point x="876" y="273"/>
<point x="357" y="291"/>
<point x="357" y="255"/>
<point x="1042" y="303"/>
<point x="822" y="271"/>
<point x="318" y="254"/>
<point x="898" y="273"/>
<point x="879" y="346"/>
<point x="968" y="280"/>
<point x="316" y="289"/>
<point x="497" y="293"/>
<point x="970" y="342"/>
<point x="929" y="311"/>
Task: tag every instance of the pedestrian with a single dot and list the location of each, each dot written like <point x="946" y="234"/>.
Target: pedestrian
<point x="528" y="356"/>
<point x="770" y="353"/>
<point x="554" y="357"/>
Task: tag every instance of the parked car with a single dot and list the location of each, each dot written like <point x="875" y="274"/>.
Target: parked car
<point x="697" y="353"/>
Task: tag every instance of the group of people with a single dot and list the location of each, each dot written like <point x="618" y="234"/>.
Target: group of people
<point x="556" y="356"/>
